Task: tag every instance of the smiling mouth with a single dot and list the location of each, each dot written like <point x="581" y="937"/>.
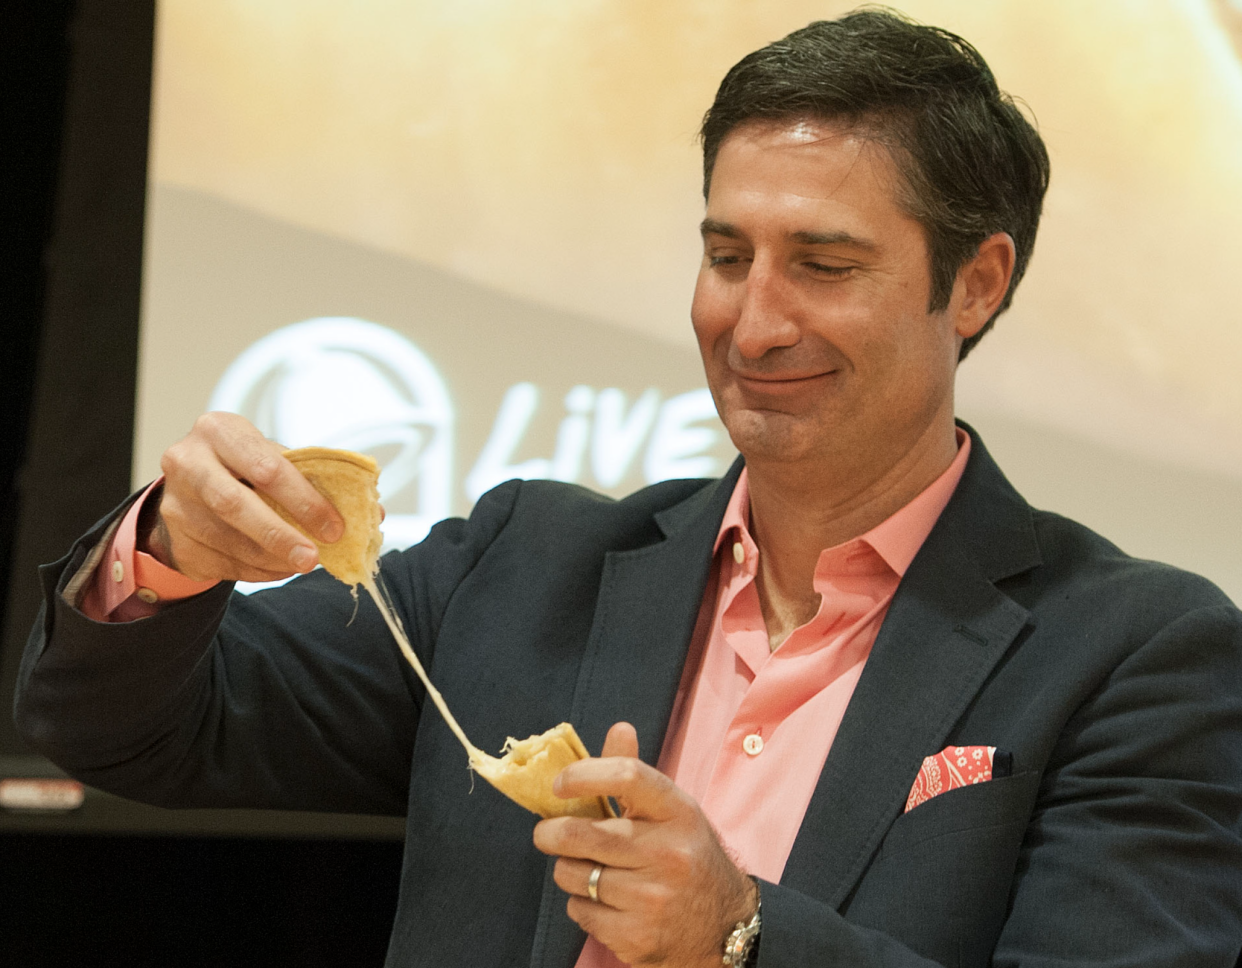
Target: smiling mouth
<point x="775" y="381"/>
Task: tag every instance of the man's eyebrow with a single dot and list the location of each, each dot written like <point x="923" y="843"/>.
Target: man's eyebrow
<point x="833" y="238"/>
<point x="709" y="226"/>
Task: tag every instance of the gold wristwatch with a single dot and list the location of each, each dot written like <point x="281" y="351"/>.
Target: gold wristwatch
<point x="742" y="946"/>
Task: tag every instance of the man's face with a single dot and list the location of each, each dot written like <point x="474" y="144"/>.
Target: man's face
<point x="811" y="302"/>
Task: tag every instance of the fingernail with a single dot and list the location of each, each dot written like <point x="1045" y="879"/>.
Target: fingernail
<point x="331" y="531"/>
<point x="302" y="558"/>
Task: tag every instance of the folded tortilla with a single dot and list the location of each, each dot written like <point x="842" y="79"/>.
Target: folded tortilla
<point x="526" y="771"/>
<point x="350" y="482"/>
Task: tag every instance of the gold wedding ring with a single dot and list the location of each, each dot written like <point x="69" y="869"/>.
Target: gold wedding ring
<point x="593" y="882"/>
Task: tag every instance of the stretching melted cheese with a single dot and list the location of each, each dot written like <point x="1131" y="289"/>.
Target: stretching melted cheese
<point x="526" y="770"/>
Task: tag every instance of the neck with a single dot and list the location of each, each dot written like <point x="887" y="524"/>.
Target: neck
<point x="799" y="509"/>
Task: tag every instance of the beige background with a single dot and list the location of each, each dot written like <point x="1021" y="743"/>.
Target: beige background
<point x="544" y="151"/>
<point x="219" y="276"/>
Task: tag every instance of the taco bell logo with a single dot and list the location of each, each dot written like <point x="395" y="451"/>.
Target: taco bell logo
<point x="344" y="382"/>
<point x="348" y="383"/>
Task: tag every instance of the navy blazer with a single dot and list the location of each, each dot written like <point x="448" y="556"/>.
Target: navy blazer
<point x="1115" y="683"/>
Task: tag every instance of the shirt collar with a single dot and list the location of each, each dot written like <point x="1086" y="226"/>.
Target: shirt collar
<point x="897" y="538"/>
<point x="737" y="513"/>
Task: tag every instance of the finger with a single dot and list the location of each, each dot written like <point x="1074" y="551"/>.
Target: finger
<point x="209" y="559"/>
<point x="629" y="936"/>
<point x="196" y="522"/>
<point x="228" y="441"/>
<point x="615" y="887"/>
<point x="202" y="563"/>
<point x="643" y="791"/>
<point x="209" y="518"/>
<point x="622" y="740"/>
<point x="619" y="843"/>
<point x="253" y="458"/>
<point x="204" y="499"/>
<point x="574" y="877"/>
<point x="189" y="521"/>
<point x="202" y="495"/>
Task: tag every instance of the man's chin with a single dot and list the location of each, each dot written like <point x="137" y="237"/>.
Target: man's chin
<point x="771" y="437"/>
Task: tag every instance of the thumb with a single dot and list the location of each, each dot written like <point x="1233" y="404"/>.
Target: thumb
<point x="622" y="740"/>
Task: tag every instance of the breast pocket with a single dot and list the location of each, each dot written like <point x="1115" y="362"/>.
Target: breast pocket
<point x="962" y="811"/>
<point x="941" y="879"/>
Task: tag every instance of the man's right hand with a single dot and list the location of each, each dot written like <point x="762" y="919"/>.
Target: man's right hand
<point x="212" y="525"/>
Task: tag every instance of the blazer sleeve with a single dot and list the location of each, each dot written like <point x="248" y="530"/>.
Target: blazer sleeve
<point x="1133" y="854"/>
<point x="291" y="698"/>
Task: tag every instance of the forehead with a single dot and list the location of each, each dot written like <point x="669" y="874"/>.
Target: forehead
<point x="810" y="169"/>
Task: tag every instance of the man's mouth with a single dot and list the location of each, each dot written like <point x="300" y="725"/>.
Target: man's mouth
<point x="774" y="382"/>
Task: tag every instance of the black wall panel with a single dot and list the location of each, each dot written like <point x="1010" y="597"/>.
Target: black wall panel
<point x="81" y="318"/>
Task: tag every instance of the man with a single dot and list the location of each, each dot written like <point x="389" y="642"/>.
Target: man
<point x="813" y="650"/>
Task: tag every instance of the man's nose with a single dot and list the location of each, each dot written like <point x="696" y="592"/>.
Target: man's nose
<point x="766" y="321"/>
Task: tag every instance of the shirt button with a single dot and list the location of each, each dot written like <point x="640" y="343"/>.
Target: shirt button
<point x="118" y="571"/>
<point x="753" y="744"/>
<point x="148" y="596"/>
<point x="739" y="553"/>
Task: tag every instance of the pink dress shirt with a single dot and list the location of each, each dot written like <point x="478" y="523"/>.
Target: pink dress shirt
<point x="129" y="584"/>
<point x="751" y="727"/>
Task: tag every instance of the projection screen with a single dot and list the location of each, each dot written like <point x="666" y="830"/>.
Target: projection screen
<point x="463" y="237"/>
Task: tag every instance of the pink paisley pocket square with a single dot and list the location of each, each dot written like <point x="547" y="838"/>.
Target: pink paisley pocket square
<point x="957" y="766"/>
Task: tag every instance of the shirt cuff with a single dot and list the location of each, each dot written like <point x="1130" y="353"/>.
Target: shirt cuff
<point x="129" y="583"/>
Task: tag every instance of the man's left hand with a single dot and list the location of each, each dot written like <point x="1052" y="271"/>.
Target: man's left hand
<point x="668" y="893"/>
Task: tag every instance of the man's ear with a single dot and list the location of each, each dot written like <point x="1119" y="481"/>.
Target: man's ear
<point x="982" y="283"/>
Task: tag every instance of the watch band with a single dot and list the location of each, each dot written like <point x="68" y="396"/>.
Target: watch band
<point x="742" y="946"/>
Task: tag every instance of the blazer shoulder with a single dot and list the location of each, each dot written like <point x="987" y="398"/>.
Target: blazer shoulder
<point x="1079" y="562"/>
<point x="551" y="507"/>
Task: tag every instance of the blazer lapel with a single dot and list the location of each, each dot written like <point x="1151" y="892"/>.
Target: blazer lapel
<point x="945" y="630"/>
<point x="947" y="627"/>
<point x="648" y="603"/>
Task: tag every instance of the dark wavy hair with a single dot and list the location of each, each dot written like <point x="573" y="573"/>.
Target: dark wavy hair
<point x="972" y="164"/>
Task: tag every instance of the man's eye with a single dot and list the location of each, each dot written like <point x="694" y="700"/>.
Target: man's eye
<point x="831" y="271"/>
<point x="722" y="260"/>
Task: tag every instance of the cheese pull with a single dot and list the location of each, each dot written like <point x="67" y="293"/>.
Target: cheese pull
<point x="526" y="770"/>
